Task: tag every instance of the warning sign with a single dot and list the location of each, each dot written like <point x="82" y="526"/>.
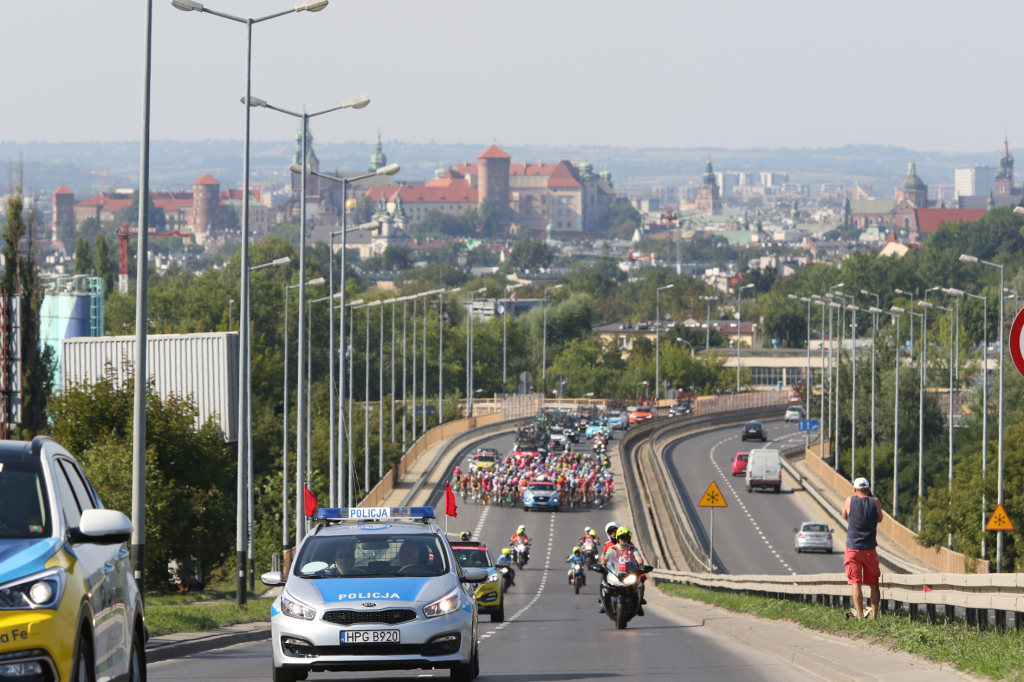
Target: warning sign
<point x="712" y="497"/>
<point x="999" y="520"/>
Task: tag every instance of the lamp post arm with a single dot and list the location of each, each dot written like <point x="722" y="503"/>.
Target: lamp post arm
<point x="234" y="18"/>
<point x="269" y="16"/>
<point x="285" y="111"/>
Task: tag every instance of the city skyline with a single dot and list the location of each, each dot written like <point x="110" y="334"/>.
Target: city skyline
<point x="604" y="78"/>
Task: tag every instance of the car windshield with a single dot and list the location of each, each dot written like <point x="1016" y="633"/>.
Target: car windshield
<point x="742" y="458"/>
<point x="473" y="557"/>
<point x="753" y="425"/>
<point x="24" y="506"/>
<point x="815" y="528"/>
<point x="377" y="554"/>
<point x="484" y="459"/>
<point x="542" y="487"/>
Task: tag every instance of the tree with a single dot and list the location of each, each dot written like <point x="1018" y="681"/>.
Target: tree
<point x="530" y="254"/>
<point x="83" y="257"/>
<point x="396" y="258"/>
<point x="624" y="220"/>
<point x="105" y="263"/>
<point x="490" y="220"/>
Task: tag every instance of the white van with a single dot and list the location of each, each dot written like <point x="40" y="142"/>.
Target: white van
<point x="764" y="470"/>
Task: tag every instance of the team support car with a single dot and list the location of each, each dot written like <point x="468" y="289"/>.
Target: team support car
<point x="618" y="420"/>
<point x="739" y="463"/>
<point x="794" y="413"/>
<point x="490" y="593"/>
<point x="483" y="460"/>
<point x="598" y="426"/>
<point x="540" y="495"/>
<point x="814" y="536"/>
<point x="375" y="589"/>
<point x="558" y="440"/>
<point x="69" y="605"/>
<point x="754" y="431"/>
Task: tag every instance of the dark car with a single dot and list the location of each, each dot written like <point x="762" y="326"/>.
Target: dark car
<point x="755" y="431"/>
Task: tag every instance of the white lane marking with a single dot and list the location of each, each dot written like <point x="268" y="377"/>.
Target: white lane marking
<point x="540" y="588"/>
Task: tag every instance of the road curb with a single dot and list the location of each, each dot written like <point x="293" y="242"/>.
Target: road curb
<point x="206" y="641"/>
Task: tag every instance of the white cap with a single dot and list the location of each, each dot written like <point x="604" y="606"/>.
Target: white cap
<point x="861" y="484"/>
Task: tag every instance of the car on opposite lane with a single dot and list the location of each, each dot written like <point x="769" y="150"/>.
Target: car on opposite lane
<point x="739" y="463"/>
<point x="618" y="420"/>
<point x="642" y="414"/>
<point x="794" y="413"/>
<point x="754" y="431"/>
<point x="375" y="589"/>
<point x="814" y="536"/>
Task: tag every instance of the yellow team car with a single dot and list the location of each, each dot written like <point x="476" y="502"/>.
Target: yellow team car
<point x="70" y="609"/>
<point x="490" y="597"/>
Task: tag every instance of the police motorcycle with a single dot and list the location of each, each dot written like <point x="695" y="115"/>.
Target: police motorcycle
<point x="578" y="577"/>
<point x="621" y="591"/>
<point x="508" y="574"/>
<point x="521" y="554"/>
<point x="589" y="551"/>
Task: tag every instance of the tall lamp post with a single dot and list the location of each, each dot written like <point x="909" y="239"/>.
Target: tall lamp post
<point x="807" y="374"/>
<point x="896" y="426"/>
<point x="835" y="429"/>
<point x="243" y="359"/>
<point x="739" y="332"/>
<point x="920" y="418"/>
<point x="350" y="352"/>
<point x="544" y="347"/>
<point x="821" y="423"/>
<point x="874" y="337"/>
<point x="469" y="352"/>
<point x="657" y="342"/>
<point x="925" y="304"/>
<point x="964" y="258"/>
<point x="707" y="322"/>
<point x="504" y="339"/>
<point x="853" y="421"/>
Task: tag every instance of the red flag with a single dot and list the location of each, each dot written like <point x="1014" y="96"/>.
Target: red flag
<point x="927" y="588"/>
<point x="310" y="502"/>
<point x="449" y="501"/>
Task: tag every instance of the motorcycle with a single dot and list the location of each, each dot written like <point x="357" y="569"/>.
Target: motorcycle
<point x="589" y="552"/>
<point x="577" y="577"/>
<point x="621" y="593"/>
<point x="521" y="554"/>
<point x="508" y="574"/>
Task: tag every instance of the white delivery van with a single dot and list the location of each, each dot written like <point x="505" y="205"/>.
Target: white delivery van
<point x="764" y="470"/>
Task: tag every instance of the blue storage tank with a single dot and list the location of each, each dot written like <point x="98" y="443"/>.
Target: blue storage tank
<point x="72" y="308"/>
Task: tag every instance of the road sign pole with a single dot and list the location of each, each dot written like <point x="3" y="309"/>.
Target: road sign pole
<point x="711" y="555"/>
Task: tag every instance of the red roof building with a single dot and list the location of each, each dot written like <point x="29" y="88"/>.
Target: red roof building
<point x="929" y="219"/>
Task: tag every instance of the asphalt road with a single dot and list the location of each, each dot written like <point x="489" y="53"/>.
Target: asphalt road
<point x="754" y="534"/>
<point x="550" y="634"/>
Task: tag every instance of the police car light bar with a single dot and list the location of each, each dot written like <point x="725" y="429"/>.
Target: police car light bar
<point x="372" y="514"/>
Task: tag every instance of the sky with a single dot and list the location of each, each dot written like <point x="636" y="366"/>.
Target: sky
<point x="645" y="73"/>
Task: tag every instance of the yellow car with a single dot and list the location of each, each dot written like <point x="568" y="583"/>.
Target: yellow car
<point x="70" y="609"/>
<point x="490" y="598"/>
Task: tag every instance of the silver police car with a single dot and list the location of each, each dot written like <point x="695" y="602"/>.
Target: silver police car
<point x="375" y="589"/>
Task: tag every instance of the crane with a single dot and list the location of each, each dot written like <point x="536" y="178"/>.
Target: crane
<point x="103" y="176"/>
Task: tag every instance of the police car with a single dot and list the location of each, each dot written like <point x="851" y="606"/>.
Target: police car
<point x="69" y="605"/>
<point x="375" y="588"/>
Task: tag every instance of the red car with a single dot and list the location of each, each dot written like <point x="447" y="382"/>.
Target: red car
<point x="739" y="463"/>
<point x="642" y="414"/>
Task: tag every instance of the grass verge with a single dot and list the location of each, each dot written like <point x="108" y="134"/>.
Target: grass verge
<point x="163" y="620"/>
<point x="988" y="652"/>
<point x="184" y="598"/>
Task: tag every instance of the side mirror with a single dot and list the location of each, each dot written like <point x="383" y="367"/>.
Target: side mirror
<point x="272" y="578"/>
<point x="102" y="527"/>
<point x="474" y="575"/>
<point x="796" y="530"/>
<point x="831" y="530"/>
<point x="646" y="568"/>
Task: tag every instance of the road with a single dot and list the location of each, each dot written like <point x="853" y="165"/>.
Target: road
<point x="755" y="533"/>
<point x="550" y="634"/>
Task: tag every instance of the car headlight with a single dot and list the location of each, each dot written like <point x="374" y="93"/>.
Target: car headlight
<point x="449" y="603"/>
<point x="630" y="579"/>
<point x="296" y="609"/>
<point x="38" y="591"/>
<point x="612" y="579"/>
<point x="493" y="578"/>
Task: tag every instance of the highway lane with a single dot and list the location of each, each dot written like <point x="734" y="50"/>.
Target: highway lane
<point x="550" y="633"/>
<point x="755" y="533"/>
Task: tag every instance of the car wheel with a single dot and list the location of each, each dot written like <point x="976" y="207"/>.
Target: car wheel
<point x="137" y="662"/>
<point x="499" y="615"/>
<point x="466" y="672"/>
<point x="284" y="674"/>
<point x="798" y="550"/>
<point x="81" y="665"/>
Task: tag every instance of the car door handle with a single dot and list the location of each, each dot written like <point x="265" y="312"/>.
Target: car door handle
<point x="123" y="554"/>
<point x="108" y="568"/>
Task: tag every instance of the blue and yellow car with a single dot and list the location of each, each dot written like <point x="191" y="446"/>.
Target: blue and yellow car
<point x="70" y="609"/>
<point x="490" y="597"/>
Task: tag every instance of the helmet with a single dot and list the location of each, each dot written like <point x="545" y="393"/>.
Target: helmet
<point x="586" y="531"/>
<point x="592" y="533"/>
<point x="575" y="549"/>
<point x="623" y="531"/>
<point x="610" y="528"/>
<point x="506" y="551"/>
<point x="520" y="530"/>
<point x="464" y="535"/>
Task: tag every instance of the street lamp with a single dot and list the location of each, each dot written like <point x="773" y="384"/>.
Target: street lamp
<point x="354" y="103"/>
<point x="739" y="332"/>
<point x="821" y="424"/>
<point x="679" y="339"/>
<point x="896" y="428"/>
<point x="347" y="435"/>
<point x="853" y="425"/>
<point x="440" y="352"/>
<point x="920" y="417"/>
<point x="909" y="295"/>
<point x="544" y="351"/>
<point x="657" y="341"/>
<point x="707" y="322"/>
<point x="243" y="359"/>
<point x="874" y="336"/>
<point x="834" y="431"/>
<point x="926" y="304"/>
<point x="504" y="338"/>
<point x="470" y="393"/>
<point x="807" y="374"/>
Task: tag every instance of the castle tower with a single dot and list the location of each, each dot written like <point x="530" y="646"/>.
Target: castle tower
<point x="63" y="211"/>
<point x="912" y="188"/>
<point x="1004" y="176"/>
<point x="312" y="182"/>
<point x="205" y="205"/>
<point x="708" y="199"/>
<point x="494" y="171"/>
<point x="378" y="159"/>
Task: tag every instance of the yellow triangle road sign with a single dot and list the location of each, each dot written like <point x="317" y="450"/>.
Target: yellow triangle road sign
<point x="712" y="497"/>
<point x="1000" y="520"/>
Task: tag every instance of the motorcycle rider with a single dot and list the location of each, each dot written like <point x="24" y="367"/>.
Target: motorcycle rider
<point x="625" y="557"/>
<point x="505" y="561"/>
<point x="575" y="559"/>
<point x="520" y="538"/>
<point x="465" y="536"/>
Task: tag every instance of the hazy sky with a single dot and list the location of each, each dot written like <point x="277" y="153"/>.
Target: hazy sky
<point x="924" y="75"/>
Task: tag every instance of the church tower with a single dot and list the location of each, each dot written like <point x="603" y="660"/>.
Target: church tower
<point x="912" y="188"/>
<point x="708" y="199"/>
<point x="378" y="159"/>
<point x="1004" y="176"/>
<point x="312" y="182"/>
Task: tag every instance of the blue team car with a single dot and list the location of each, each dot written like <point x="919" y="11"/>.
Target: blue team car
<point x="541" y="495"/>
<point x="375" y="589"/>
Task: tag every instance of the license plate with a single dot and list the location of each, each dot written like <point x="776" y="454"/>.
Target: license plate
<point x="370" y="636"/>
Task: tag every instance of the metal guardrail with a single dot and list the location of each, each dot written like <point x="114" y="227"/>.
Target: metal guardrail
<point x="999" y="592"/>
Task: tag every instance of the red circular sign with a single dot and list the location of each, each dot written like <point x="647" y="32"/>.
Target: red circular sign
<point x="1017" y="342"/>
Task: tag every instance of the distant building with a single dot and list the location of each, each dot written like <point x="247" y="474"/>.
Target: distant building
<point x="63" y="211"/>
<point x="911" y="194"/>
<point x="973" y="181"/>
<point x="773" y="178"/>
<point x="708" y="198"/>
<point x="727" y="182"/>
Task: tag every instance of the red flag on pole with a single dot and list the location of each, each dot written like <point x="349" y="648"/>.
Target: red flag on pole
<point x="449" y="501"/>
<point x="310" y="502"/>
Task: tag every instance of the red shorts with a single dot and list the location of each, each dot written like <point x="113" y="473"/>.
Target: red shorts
<point x="861" y="566"/>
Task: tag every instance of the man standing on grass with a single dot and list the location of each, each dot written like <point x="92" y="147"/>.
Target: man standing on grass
<point x="864" y="513"/>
